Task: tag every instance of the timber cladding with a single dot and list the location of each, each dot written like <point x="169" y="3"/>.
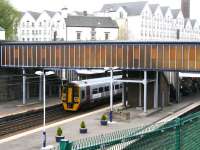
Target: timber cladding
<point x="183" y="56"/>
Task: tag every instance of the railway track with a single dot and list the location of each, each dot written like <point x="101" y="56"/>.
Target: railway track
<point x="20" y="122"/>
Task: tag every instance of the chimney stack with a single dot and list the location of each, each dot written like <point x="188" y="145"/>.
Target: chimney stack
<point x="185" y="7"/>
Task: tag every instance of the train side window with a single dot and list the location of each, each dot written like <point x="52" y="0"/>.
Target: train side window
<point x="100" y="90"/>
<point x="82" y="94"/>
<point x="117" y="87"/>
<point x="94" y="91"/>
<point x="106" y="88"/>
<point x="120" y="86"/>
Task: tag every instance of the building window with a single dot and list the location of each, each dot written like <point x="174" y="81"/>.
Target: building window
<point x="33" y="32"/>
<point x="78" y="35"/>
<point x="40" y="24"/>
<point x="33" y="24"/>
<point x="23" y="39"/>
<point x="107" y="35"/>
<point x="93" y="34"/>
<point x="22" y="32"/>
<point x="27" y="23"/>
<point x="121" y="15"/>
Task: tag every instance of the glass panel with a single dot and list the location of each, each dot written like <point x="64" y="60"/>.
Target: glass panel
<point x="119" y="55"/>
<point x="198" y="57"/>
<point x="130" y="56"/>
<point x="185" y="57"/>
<point x="160" y="56"/>
<point x="142" y="56"/>
<point x="48" y="47"/>
<point x="114" y="51"/>
<point x="154" y="56"/>
<point x="172" y="56"/>
<point x="192" y="57"/>
<point x="77" y="55"/>
<point x="103" y="55"/>
<point x="125" y="52"/>
<point x="11" y="54"/>
<point x="166" y="56"/>
<point x="148" y="55"/>
<point x="97" y="55"/>
<point x="179" y="57"/>
<point x="136" y="56"/>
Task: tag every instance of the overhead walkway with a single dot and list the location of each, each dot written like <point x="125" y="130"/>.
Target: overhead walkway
<point x="164" y="56"/>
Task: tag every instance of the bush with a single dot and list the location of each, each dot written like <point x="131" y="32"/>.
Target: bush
<point x="82" y="124"/>
<point x="103" y="117"/>
<point x="59" y="131"/>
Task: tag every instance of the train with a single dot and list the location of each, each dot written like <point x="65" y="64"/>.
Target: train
<point x="80" y="94"/>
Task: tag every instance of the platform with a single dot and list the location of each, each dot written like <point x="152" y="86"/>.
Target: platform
<point x="16" y="107"/>
<point x="33" y="138"/>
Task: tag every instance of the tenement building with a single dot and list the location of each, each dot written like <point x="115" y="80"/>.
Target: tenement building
<point x="65" y="26"/>
<point x="144" y="21"/>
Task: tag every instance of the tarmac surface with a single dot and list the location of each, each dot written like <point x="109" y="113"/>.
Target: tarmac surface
<point x="32" y="140"/>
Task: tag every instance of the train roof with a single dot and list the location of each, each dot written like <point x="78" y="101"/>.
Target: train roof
<point x="95" y="81"/>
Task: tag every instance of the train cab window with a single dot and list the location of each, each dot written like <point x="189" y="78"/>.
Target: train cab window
<point x="75" y="91"/>
<point x="94" y="91"/>
<point x="116" y="87"/>
<point x="120" y="86"/>
<point x="106" y="88"/>
<point x="100" y="90"/>
<point x="82" y="94"/>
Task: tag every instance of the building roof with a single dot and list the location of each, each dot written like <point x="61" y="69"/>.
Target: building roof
<point x="35" y="15"/>
<point x="132" y="8"/>
<point x="90" y="21"/>
<point x="186" y="21"/>
<point x="153" y="7"/>
<point x="164" y="9"/>
<point x="175" y="12"/>
<point x="193" y="22"/>
<point x="2" y="29"/>
<point x="50" y="13"/>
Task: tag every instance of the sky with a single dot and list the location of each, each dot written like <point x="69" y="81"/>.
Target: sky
<point x="92" y="5"/>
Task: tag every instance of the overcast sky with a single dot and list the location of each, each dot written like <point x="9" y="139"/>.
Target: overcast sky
<point x="92" y="5"/>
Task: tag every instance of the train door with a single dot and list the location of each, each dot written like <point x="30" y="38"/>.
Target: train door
<point x="87" y="93"/>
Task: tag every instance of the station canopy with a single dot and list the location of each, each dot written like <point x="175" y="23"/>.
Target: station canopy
<point x="90" y="71"/>
<point x="189" y="75"/>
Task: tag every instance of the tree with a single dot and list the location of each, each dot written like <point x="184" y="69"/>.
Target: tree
<point x="9" y="17"/>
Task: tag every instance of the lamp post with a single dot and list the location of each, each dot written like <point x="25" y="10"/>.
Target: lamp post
<point x="111" y="90"/>
<point x="44" y="74"/>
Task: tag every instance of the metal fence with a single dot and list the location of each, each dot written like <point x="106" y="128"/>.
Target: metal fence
<point x="179" y="134"/>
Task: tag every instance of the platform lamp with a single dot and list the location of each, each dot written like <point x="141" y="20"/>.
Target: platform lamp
<point x="111" y="89"/>
<point x="44" y="74"/>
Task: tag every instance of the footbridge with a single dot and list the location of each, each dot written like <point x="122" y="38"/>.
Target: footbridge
<point x="127" y="55"/>
<point x="173" y="56"/>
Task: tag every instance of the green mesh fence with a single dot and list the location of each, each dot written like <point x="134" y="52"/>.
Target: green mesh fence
<point x="179" y="134"/>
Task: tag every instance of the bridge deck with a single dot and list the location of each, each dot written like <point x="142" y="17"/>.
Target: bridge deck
<point x="183" y="56"/>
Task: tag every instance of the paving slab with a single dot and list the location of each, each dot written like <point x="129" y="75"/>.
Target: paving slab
<point x="32" y="140"/>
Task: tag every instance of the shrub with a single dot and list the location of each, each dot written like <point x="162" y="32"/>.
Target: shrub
<point x="59" y="131"/>
<point x="103" y="117"/>
<point x="82" y="124"/>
